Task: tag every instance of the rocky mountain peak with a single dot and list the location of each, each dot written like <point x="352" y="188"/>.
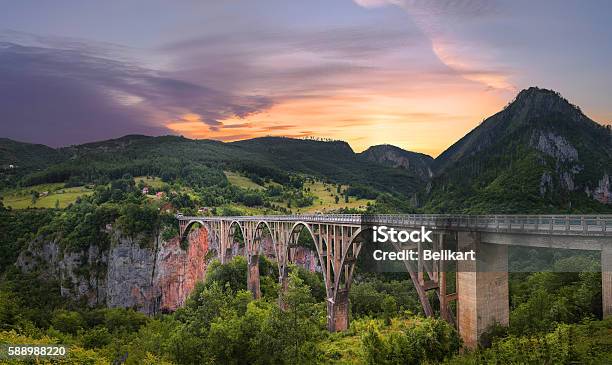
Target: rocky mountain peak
<point x="534" y="102"/>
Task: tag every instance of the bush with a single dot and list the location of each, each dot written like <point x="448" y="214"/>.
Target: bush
<point x="426" y="340"/>
<point x="366" y="300"/>
<point x="75" y="355"/>
<point x="232" y="275"/>
<point x="68" y="321"/>
<point x="252" y="199"/>
<point x="120" y="319"/>
<point x="96" y="338"/>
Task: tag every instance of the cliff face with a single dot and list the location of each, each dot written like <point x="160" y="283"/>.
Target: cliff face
<point x="81" y="274"/>
<point x="127" y="275"/>
<point x="179" y="270"/>
<point x="306" y="259"/>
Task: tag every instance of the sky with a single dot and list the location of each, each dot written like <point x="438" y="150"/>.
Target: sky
<point x="417" y="74"/>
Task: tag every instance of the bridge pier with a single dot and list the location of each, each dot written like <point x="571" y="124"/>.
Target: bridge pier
<point x="283" y="280"/>
<point x="482" y="288"/>
<point x="338" y="312"/>
<point x="606" y="279"/>
<point x="253" y="276"/>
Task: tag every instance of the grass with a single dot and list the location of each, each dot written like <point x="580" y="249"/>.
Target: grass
<point x="242" y="181"/>
<point x="342" y="349"/>
<point x="324" y="194"/>
<point x="244" y="210"/>
<point x="154" y="182"/>
<point x="56" y="195"/>
<point x="325" y="200"/>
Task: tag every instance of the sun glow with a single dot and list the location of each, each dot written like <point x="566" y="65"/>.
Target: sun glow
<point x="423" y="121"/>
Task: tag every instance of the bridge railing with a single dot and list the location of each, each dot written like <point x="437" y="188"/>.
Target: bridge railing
<point x="546" y="224"/>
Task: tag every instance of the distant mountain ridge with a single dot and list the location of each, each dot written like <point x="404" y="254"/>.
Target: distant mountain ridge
<point x="28" y="155"/>
<point x="531" y="106"/>
<point x="182" y="158"/>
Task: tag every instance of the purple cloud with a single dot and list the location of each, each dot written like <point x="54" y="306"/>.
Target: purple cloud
<point x="60" y="96"/>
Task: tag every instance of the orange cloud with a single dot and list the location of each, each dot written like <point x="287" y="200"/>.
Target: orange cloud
<point x="421" y="94"/>
<point x="426" y="121"/>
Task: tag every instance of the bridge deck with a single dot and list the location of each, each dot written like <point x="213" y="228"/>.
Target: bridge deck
<point x="579" y="225"/>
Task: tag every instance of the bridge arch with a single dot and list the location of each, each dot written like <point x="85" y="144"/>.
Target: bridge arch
<point x="293" y="237"/>
<point x="258" y="231"/>
<point x="215" y="242"/>
<point x="337" y="278"/>
<point x="301" y="225"/>
<point x="203" y="224"/>
<point x="347" y="255"/>
<point x="187" y="228"/>
<point x="235" y="223"/>
<point x="229" y="233"/>
<point x="336" y="246"/>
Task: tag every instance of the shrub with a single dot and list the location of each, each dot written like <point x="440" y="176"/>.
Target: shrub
<point x="67" y="321"/>
<point x="426" y="340"/>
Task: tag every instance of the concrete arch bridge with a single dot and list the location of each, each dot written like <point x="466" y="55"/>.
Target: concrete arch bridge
<point x="481" y="293"/>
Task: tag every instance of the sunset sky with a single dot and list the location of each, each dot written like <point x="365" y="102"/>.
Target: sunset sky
<point x="414" y="73"/>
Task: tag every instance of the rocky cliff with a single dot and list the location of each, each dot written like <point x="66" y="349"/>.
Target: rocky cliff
<point x="178" y="270"/>
<point x="149" y="279"/>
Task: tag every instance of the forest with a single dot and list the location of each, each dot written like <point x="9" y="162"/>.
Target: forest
<point x="555" y="316"/>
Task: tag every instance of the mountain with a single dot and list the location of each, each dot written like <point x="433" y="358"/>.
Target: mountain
<point x="418" y="164"/>
<point x="333" y="160"/>
<point x="201" y="162"/>
<point x="28" y="155"/>
<point x="539" y="154"/>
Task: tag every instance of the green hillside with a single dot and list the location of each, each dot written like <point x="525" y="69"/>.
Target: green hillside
<point x="313" y="196"/>
<point x="202" y="162"/>
<point x="334" y="161"/>
<point x="241" y="181"/>
<point x="43" y="196"/>
<point x="26" y="155"/>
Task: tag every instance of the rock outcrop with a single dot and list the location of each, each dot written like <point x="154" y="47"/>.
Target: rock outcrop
<point x="129" y="277"/>
<point x="151" y="278"/>
<point x="555" y="146"/>
<point x="417" y="163"/>
<point x="81" y="274"/>
<point x="603" y="191"/>
<point x="178" y="270"/>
